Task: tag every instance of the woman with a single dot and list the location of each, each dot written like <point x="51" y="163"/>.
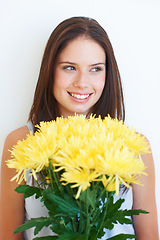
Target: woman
<point x="78" y="74"/>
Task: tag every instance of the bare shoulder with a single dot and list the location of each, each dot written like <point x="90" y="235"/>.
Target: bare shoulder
<point x="143" y="136"/>
<point x="7" y="173"/>
<point x="12" y="139"/>
<point x="7" y="193"/>
<point x="148" y="180"/>
<point x="15" y="136"/>
<point x="147" y="142"/>
<point x="148" y="160"/>
<point x="146" y="226"/>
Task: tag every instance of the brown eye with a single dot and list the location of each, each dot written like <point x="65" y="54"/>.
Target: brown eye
<point x="96" y="69"/>
<point x="70" y="68"/>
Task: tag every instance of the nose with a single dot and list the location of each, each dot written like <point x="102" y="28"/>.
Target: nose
<point x="81" y="80"/>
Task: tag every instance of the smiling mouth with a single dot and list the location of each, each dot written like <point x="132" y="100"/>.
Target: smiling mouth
<point x="79" y="96"/>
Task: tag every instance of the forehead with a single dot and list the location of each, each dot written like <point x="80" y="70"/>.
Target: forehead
<point x="82" y="47"/>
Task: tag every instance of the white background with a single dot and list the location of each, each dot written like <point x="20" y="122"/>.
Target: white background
<point x="134" y="30"/>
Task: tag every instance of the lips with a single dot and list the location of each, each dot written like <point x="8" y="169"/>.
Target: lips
<point x="79" y="96"/>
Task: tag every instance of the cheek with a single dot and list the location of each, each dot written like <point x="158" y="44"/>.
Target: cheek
<point x="59" y="81"/>
<point x="100" y="84"/>
<point x="57" y="78"/>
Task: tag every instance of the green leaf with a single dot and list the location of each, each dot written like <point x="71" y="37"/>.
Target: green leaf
<point x="114" y="219"/>
<point x="93" y="234"/>
<point x="52" y="207"/>
<point x="46" y="238"/>
<point x="55" y="227"/>
<point x="72" y="236"/>
<point x="63" y="205"/>
<point x="38" y="223"/>
<point x="124" y="220"/>
<point x="134" y="212"/>
<point x="82" y="223"/>
<point x="113" y="207"/>
<point x="70" y="200"/>
<point x="121" y="217"/>
<point x="28" y="190"/>
<point x="122" y="236"/>
<point x="109" y="224"/>
<point x="92" y="197"/>
<point x="59" y="226"/>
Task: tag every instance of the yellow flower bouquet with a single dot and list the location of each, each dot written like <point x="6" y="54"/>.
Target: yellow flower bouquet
<point x="79" y="164"/>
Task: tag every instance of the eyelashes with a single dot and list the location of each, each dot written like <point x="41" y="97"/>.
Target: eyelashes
<point x="70" y="68"/>
<point x="73" y="68"/>
<point x="96" y="69"/>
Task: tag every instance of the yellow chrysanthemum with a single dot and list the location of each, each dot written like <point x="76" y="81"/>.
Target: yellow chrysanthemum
<point x="135" y="141"/>
<point x="109" y="183"/>
<point x="33" y="153"/>
<point x="80" y="177"/>
<point x="103" y="155"/>
<point x="85" y="149"/>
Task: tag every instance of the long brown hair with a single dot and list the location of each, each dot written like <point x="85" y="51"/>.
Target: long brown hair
<point x="111" y="102"/>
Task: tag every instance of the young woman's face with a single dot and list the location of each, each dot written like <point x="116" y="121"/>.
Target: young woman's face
<point x="79" y="76"/>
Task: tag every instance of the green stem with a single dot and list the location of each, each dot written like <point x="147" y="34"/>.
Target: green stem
<point x="73" y="224"/>
<point x="95" y="219"/>
<point x="52" y="184"/>
<point x="105" y="212"/>
<point x="44" y="179"/>
<point x="51" y="171"/>
<point x="38" y="185"/>
<point x="101" y="194"/>
<point x="57" y="180"/>
<point x="87" y="230"/>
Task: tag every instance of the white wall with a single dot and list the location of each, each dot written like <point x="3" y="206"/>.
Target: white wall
<point x="133" y="28"/>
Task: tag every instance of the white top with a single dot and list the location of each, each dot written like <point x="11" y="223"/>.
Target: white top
<point x="34" y="208"/>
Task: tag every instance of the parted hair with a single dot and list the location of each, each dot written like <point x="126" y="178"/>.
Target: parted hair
<point x="45" y="107"/>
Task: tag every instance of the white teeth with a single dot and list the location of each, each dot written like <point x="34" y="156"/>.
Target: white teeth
<point x="79" y="96"/>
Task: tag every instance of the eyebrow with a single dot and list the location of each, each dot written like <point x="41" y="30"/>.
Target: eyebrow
<point x="72" y="63"/>
<point x="100" y="63"/>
